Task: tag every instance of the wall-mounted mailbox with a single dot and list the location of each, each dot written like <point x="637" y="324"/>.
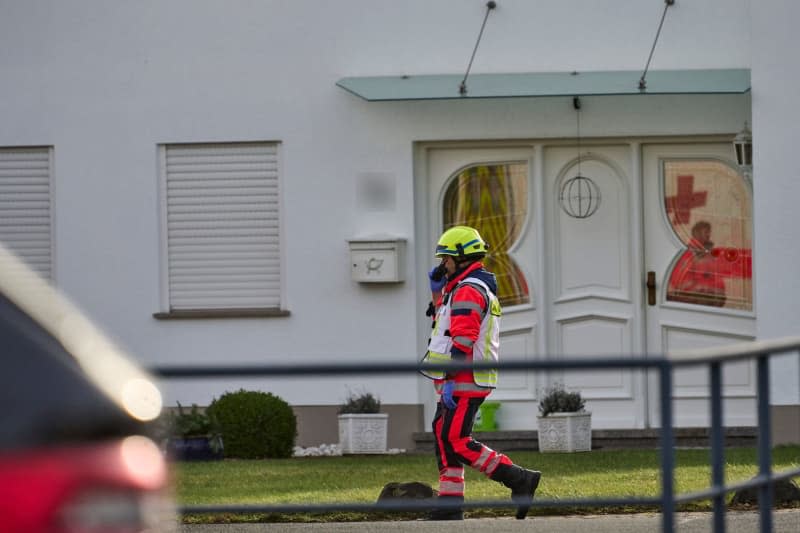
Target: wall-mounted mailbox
<point x="377" y="260"/>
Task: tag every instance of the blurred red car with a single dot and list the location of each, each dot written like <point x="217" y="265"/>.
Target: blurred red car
<point x="74" y="455"/>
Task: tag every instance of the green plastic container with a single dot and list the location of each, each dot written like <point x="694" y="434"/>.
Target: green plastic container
<point x="485" y="419"/>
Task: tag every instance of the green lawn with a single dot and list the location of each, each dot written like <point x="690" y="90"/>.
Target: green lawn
<point x="360" y="478"/>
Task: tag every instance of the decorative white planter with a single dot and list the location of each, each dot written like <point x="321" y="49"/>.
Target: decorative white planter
<point x="363" y="433"/>
<point x="565" y="432"/>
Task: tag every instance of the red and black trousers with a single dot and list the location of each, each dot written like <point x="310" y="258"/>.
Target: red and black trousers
<point x="456" y="448"/>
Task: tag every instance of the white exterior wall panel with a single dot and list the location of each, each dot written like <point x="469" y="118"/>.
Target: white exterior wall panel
<point x="776" y="113"/>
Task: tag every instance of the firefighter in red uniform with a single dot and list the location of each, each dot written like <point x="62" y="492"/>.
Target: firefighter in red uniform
<point x="466" y="329"/>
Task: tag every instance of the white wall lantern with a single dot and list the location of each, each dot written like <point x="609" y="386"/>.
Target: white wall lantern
<point x="743" y="148"/>
<point x="377" y="260"/>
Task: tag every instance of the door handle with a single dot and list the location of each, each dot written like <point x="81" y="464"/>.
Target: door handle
<point x="651" y="288"/>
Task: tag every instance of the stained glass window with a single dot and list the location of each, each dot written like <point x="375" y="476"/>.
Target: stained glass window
<point x="709" y="206"/>
<point x="493" y="199"/>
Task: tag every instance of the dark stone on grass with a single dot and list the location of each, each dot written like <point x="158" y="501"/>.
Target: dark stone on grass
<point x="786" y="491"/>
<point x="407" y="491"/>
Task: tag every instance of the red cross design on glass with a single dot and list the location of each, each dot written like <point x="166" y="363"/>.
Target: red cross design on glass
<point x="681" y="204"/>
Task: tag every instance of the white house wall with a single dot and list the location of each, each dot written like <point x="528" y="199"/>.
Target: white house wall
<point x="776" y="114"/>
<point x="106" y="82"/>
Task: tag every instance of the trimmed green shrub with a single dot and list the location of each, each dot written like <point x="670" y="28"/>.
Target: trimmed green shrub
<point x="255" y="424"/>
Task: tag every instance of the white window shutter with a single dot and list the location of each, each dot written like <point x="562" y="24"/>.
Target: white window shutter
<point x="223" y="226"/>
<point x="25" y="206"/>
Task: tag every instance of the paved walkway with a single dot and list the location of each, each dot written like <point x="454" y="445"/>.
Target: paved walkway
<point x="784" y="521"/>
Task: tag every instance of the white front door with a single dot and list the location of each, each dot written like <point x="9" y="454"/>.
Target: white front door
<point x="572" y="245"/>
<point x="698" y="241"/>
<point x="593" y="272"/>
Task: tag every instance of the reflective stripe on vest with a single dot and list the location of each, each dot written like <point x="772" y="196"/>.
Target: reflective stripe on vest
<point x="485" y="348"/>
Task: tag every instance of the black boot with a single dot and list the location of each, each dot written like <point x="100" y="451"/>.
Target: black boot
<point x="523" y="484"/>
<point x="450" y="512"/>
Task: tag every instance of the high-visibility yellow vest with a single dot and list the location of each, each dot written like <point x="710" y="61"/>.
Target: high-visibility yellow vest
<point x="485" y="349"/>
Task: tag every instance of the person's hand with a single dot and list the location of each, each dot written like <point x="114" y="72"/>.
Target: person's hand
<point x="437" y="279"/>
<point x="447" y="395"/>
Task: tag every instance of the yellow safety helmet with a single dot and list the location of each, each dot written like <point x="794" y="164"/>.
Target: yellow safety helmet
<point x="460" y="241"/>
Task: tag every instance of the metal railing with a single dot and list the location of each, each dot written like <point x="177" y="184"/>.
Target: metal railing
<point x="713" y="358"/>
